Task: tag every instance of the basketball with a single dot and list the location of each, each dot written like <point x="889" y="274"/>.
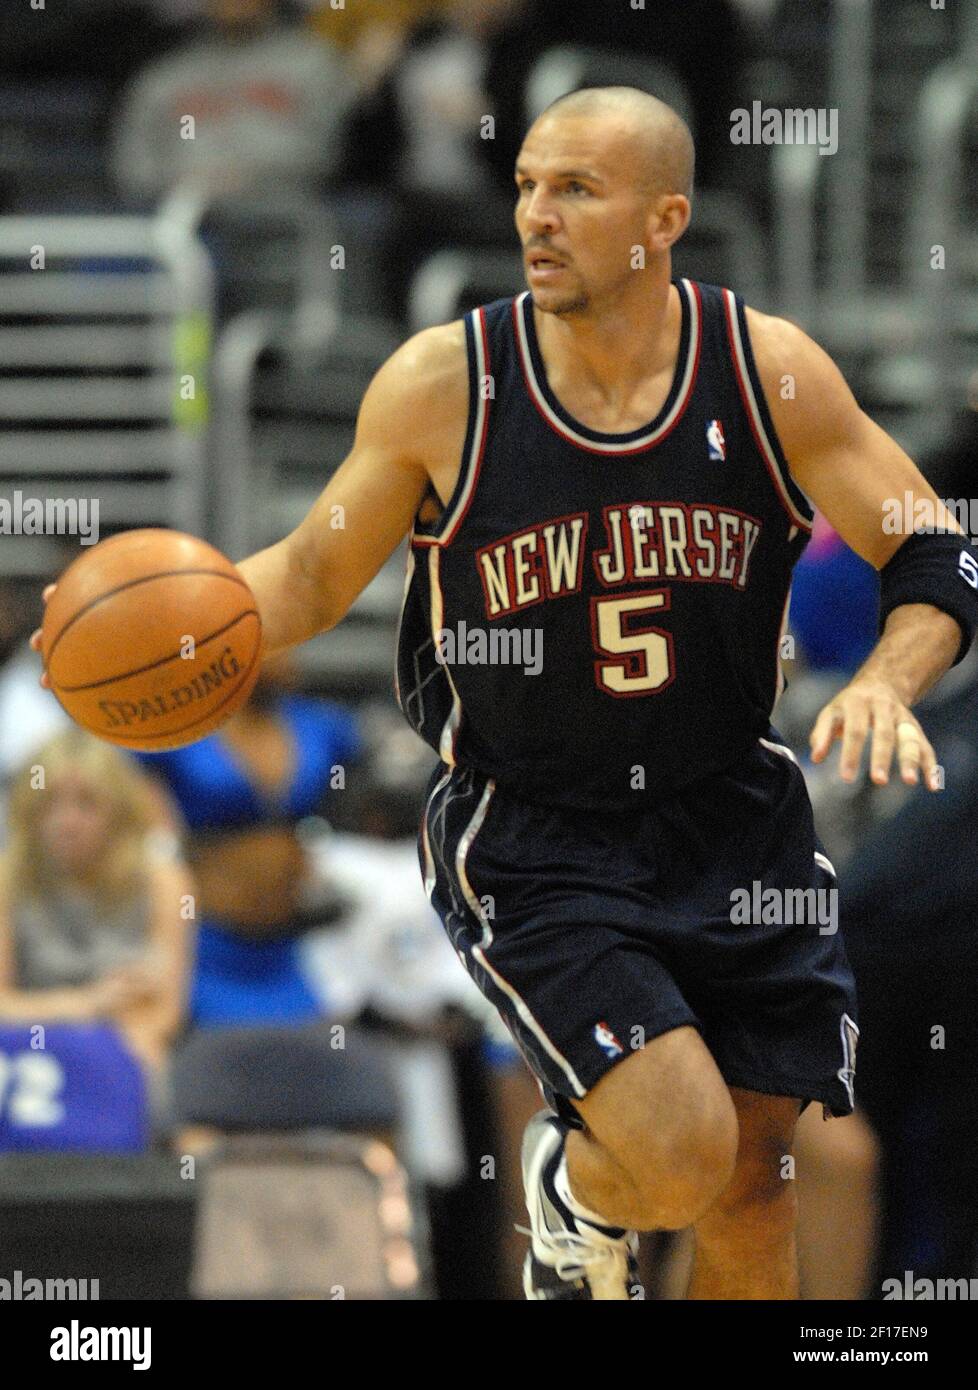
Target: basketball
<point x="151" y="639"/>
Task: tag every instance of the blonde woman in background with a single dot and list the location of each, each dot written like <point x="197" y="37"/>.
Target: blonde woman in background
<point x="94" y="919"/>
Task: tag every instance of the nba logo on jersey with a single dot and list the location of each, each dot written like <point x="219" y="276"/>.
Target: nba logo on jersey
<point x="715" y="440"/>
<point x="605" y="1038"/>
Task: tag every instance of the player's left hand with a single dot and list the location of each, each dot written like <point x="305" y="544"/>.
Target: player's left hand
<point x="36" y="635"/>
<point x="870" y="704"/>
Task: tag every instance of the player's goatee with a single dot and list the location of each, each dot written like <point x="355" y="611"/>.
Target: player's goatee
<point x="571" y="306"/>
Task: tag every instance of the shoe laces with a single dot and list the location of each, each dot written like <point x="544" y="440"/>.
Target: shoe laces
<point x="581" y="1255"/>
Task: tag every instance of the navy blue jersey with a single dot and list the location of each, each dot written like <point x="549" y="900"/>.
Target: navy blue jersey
<point x="596" y="617"/>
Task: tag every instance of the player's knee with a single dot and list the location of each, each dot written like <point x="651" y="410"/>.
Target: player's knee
<point x="697" y="1170"/>
<point x="680" y="1174"/>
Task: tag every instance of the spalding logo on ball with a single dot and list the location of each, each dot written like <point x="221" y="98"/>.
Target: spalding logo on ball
<point x="151" y="639"/>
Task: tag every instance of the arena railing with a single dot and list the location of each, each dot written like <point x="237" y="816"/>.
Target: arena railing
<point x="287" y="391"/>
<point x="847" y="178"/>
<point x="450" y="282"/>
<point x="105" y="329"/>
<point x="849" y="268"/>
<point x="948" y="295"/>
<point x="270" y="251"/>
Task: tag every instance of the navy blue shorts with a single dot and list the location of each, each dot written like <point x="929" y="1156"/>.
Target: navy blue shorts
<point x="593" y="932"/>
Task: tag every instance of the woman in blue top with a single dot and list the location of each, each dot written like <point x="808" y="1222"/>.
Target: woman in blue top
<point x="241" y="793"/>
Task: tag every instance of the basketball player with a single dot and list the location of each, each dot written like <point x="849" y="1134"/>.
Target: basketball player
<point x="623" y="467"/>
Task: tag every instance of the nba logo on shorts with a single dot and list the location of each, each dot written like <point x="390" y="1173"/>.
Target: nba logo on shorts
<point x="715" y="440"/>
<point x="605" y="1038"/>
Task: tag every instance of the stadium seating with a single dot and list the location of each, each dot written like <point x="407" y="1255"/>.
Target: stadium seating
<point x="126" y="1221"/>
<point x="324" y="1216"/>
<point x="105" y="325"/>
<point x="52" y="157"/>
<point x="296" y="1201"/>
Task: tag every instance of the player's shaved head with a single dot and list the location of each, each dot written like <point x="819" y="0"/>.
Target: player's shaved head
<point x="662" y="139"/>
<point x="602" y="172"/>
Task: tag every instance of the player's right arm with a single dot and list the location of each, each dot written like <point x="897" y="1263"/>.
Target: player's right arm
<point x="410" y="435"/>
<point x="410" y="432"/>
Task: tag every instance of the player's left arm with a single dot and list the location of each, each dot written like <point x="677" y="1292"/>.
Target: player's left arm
<point x="854" y="472"/>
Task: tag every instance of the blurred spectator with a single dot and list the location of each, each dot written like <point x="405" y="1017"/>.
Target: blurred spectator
<point x="465" y="1091"/>
<point x="834" y="615"/>
<point x="419" y="139"/>
<point x="91" y="920"/>
<point x="242" y="794"/>
<point x="372" y="32"/>
<point x="897" y="1179"/>
<point x="830" y="581"/>
<point x="908" y="896"/>
<point x="498" y="42"/>
<point x="388" y="957"/>
<point x="28" y="714"/>
<point x="422" y="131"/>
<point x="703" y="41"/>
<point x="250" y="101"/>
<point x="441" y="95"/>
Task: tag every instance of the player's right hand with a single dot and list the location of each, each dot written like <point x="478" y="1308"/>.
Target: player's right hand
<point x="36" y="635"/>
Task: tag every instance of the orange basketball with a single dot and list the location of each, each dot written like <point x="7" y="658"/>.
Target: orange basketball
<point x="151" y="639"/>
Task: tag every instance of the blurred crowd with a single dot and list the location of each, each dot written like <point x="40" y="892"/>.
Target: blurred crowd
<point x="171" y="918"/>
<point x="201" y="932"/>
<point x="403" y="116"/>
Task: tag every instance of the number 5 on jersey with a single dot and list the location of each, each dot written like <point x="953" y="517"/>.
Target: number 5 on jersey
<point x="638" y="660"/>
